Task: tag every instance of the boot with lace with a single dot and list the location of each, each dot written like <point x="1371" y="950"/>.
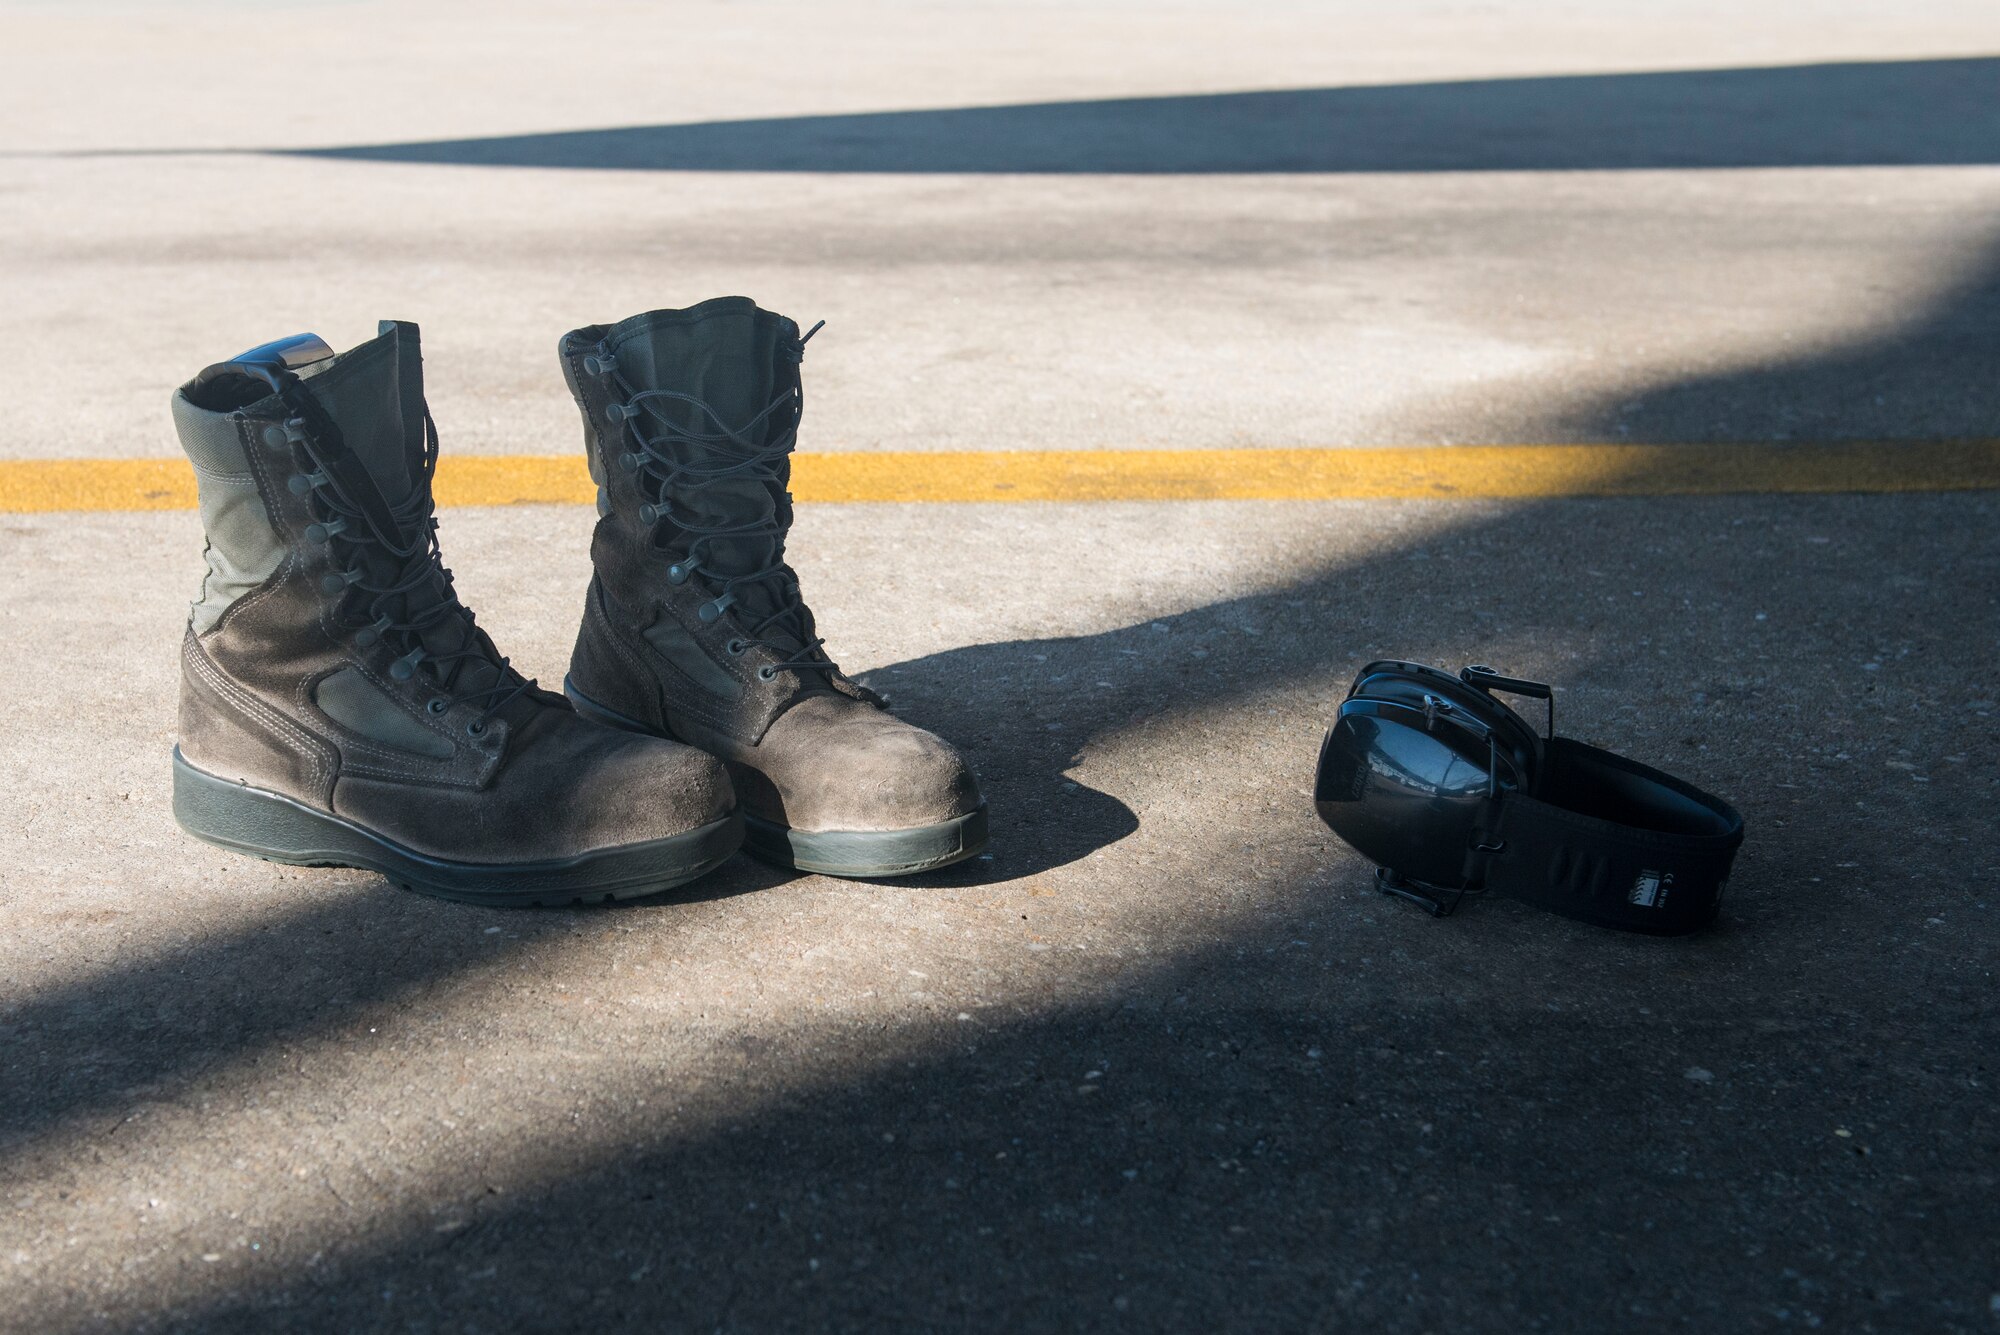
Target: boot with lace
<point x="340" y="707"/>
<point x="694" y="627"/>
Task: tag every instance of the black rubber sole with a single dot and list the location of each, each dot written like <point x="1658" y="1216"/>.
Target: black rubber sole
<point x="274" y="827"/>
<point x="858" y="854"/>
<point x="867" y="854"/>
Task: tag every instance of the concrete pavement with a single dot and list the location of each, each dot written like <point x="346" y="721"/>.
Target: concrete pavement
<point x="1165" y="1060"/>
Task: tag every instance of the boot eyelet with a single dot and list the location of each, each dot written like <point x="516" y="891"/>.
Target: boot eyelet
<point x="629" y="462"/>
<point x="368" y="634"/>
<point x="302" y="484"/>
<point x="321" y="534"/>
<point x="712" y="610"/>
<point x="649" y="513"/>
<point x="618" y="413"/>
<point x="680" y="572"/>
<point x="475" y="729"/>
<point x="767" y="673"/>
<point x="290" y="432"/>
<point x="736" y="648"/>
<point x="438" y="705"/>
<point x="599" y="363"/>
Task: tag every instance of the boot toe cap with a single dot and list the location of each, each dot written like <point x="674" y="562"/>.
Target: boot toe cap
<point x="646" y="788"/>
<point x="836" y="765"/>
<point x="921" y="780"/>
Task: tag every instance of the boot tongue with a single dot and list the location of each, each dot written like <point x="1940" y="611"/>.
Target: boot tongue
<point x="729" y="355"/>
<point x="375" y="394"/>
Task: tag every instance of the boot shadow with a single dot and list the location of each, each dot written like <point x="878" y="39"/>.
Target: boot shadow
<point x="1003" y="706"/>
<point x="740" y="875"/>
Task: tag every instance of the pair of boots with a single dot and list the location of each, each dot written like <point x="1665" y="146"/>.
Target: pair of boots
<point x="340" y="707"/>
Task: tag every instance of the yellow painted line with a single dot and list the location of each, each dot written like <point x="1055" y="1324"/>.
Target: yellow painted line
<point x="1425" y="472"/>
<point x="1447" y="472"/>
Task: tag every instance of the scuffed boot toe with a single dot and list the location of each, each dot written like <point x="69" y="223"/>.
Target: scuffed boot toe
<point x="847" y="790"/>
<point x="645" y="789"/>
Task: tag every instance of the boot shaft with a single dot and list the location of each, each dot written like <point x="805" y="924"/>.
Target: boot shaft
<point x="694" y="626"/>
<point x="231" y="421"/>
<point x="328" y="639"/>
<point x="339" y="461"/>
<point x="340" y="707"/>
<point x="690" y="418"/>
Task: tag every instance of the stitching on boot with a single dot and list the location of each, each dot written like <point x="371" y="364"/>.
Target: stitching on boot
<point x="368" y="769"/>
<point x="618" y="645"/>
<point x="609" y="634"/>
<point x="415" y="714"/>
<point x="310" y="748"/>
<point x="252" y="451"/>
<point x="692" y="699"/>
<point x="349" y="742"/>
<point x="362" y="755"/>
<point x="211" y="474"/>
<point x="269" y="588"/>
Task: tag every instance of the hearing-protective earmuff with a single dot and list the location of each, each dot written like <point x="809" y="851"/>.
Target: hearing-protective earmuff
<point x="1450" y="792"/>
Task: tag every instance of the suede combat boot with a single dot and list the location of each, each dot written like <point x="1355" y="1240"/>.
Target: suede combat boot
<point x="339" y="707"/>
<point x="694" y="627"/>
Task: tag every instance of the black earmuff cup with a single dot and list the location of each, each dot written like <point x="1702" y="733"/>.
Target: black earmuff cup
<point x="1408" y="684"/>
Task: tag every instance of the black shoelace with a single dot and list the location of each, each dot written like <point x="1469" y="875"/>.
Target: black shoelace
<point x="710" y="451"/>
<point x="393" y="583"/>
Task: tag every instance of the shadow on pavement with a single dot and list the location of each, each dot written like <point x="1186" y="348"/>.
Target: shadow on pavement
<point x="1332" y="1109"/>
<point x="1889" y="113"/>
<point x="1339" y="1113"/>
<point x="1335" y="1111"/>
<point x="92" y="1052"/>
<point x="1517" y="1156"/>
<point x="1319" y="1108"/>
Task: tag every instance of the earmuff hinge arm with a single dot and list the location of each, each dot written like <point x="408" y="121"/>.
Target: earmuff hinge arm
<point x="1486" y="679"/>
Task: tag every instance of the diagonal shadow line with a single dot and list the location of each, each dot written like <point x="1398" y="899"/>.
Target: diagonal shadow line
<point x="1305" y="1142"/>
<point x="1886" y="113"/>
<point x="1941" y="112"/>
<point x="91" y="1049"/>
<point x="1240" y="1165"/>
<point x="1936" y="370"/>
<point x="675" y="1210"/>
<point x="99" y="1047"/>
<point x="203" y="996"/>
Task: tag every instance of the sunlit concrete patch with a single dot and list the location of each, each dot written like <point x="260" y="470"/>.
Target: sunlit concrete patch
<point x="1074" y="313"/>
<point x="865" y="58"/>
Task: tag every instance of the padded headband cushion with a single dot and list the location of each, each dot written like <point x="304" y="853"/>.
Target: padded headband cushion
<point x="1616" y="843"/>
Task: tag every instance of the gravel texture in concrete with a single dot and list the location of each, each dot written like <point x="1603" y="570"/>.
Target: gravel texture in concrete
<point x="1164" y="1059"/>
